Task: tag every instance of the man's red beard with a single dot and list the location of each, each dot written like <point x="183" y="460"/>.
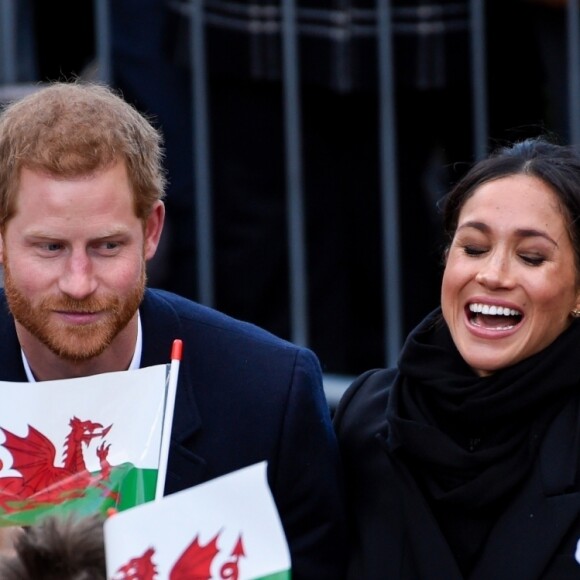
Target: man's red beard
<point x="70" y="341"/>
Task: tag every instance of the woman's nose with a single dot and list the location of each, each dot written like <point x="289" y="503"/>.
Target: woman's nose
<point x="495" y="273"/>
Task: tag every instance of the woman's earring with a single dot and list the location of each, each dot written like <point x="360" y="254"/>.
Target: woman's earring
<point x="575" y="313"/>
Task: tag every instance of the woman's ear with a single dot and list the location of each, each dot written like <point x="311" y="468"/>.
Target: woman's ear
<point x="575" y="312"/>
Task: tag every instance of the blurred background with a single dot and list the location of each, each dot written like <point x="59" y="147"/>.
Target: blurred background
<point x="309" y="142"/>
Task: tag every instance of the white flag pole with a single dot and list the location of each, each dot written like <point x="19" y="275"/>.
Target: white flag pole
<point x="176" y="352"/>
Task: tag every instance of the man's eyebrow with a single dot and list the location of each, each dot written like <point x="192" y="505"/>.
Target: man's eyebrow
<point x="54" y="235"/>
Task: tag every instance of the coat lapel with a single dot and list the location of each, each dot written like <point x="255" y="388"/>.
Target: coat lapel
<point x="161" y="326"/>
<point x="527" y="536"/>
<point x="409" y="523"/>
<point x="432" y="556"/>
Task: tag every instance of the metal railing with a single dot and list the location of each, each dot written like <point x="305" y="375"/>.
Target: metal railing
<point x="11" y="88"/>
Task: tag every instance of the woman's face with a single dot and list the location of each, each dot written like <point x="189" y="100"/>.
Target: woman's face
<point x="510" y="279"/>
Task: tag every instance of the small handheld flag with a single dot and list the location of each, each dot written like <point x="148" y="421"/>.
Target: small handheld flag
<point x="176" y="353"/>
<point x="228" y="527"/>
<point x="99" y="448"/>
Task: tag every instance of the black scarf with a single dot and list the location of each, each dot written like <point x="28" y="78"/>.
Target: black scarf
<point x="470" y="440"/>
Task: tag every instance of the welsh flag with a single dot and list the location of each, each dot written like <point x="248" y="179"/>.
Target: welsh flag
<point x="225" y="528"/>
<point x="85" y="445"/>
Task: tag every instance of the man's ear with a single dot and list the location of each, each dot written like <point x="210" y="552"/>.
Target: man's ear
<point x="2" y="230"/>
<point x="153" y="229"/>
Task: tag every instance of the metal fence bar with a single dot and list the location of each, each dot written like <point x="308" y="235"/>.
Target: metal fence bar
<point x="102" y="40"/>
<point x="479" y="79"/>
<point x="294" y="181"/>
<point x="573" y="22"/>
<point x="389" y="187"/>
<point x="8" y="28"/>
<point x="201" y="156"/>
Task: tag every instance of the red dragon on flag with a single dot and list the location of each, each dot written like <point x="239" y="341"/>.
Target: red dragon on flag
<point x="41" y="481"/>
<point x="140" y="568"/>
<point x="194" y="563"/>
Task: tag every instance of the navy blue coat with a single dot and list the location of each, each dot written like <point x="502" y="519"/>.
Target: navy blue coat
<point x="243" y="396"/>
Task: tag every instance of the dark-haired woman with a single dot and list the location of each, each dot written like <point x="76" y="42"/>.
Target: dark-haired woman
<point x="463" y="462"/>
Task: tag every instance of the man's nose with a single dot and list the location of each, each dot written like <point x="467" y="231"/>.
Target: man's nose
<point x="78" y="279"/>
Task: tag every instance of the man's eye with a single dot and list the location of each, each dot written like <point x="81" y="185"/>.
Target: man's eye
<point x="52" y="247"/>
<point x="108" y="247"/>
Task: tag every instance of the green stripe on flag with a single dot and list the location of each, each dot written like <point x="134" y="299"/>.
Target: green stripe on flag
<point x="285" y="575"/>
<point x="125" y="487"/>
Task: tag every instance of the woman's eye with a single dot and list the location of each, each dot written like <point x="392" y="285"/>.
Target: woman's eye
<point x="533" y="260"/>
<point x="473" y="250"/>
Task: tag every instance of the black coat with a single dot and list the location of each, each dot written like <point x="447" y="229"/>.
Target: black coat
<point x="395" y="536"/>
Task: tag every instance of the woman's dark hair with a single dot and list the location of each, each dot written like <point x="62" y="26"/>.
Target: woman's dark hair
<point x="558" y="166"/>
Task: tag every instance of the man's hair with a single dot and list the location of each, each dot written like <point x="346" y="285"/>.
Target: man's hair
<point x="74" y="129"/>
<point x="58" y="548"/>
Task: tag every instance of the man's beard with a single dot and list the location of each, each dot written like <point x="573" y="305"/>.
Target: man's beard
<point x="73" y="342"/>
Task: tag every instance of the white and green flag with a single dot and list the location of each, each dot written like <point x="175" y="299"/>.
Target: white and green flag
<point x="228" y="527"/>
<point x="84" y="445"/>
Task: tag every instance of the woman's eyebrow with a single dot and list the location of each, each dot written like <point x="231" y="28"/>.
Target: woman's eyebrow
<point x="520" y="232"/>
